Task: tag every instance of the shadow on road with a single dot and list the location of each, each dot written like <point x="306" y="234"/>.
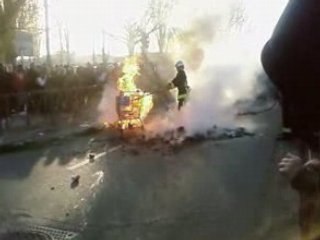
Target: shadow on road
<point x="189" y="194"/>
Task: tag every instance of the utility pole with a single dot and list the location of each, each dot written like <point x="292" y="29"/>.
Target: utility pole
<point x="103" y="48"/>
<point x="93" y="53"/>
<point x="61" y="45"/>
<point x="67" y="39"/>
<point x="46" y="8"/>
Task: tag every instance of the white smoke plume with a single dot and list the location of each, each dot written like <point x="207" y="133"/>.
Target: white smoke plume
<point x="106" y="108"/>
<point x="221" y="49"/>
<point x="220" y="43"/>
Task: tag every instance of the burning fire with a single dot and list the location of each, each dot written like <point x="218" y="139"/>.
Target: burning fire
<point x="133" y="105"/>
<point x="130" y="71"/>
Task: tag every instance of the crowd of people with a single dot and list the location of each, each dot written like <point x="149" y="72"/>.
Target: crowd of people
<point x="38" y="89"/>
<point x="17" y="79"/>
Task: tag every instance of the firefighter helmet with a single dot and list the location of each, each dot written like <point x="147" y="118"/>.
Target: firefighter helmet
<point x="179" y="64"/>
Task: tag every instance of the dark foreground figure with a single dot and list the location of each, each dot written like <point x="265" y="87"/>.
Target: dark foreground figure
<point x="291" y="59"/>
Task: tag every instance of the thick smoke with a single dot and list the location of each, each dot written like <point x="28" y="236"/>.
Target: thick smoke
<point x="222" y="56"/>
<point x="220" y="43"/>
<point x="193" y="40"/>
<point x="106" y="108"/>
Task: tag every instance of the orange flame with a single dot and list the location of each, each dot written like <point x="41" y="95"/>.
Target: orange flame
<point x="140" y="103"/>
<point x="130" y="71"/>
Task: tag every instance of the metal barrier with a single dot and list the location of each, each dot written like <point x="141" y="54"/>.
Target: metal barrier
<point x="48" y="103"/>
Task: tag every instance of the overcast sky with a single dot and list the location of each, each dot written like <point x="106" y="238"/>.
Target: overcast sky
<point x="87" y="18"/>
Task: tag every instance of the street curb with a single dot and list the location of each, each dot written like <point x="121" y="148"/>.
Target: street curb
<point x="15" y="146"/>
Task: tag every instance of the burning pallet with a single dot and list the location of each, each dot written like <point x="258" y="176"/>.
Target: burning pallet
<point x="132" y="104"/>
<point x="131" y="109"/>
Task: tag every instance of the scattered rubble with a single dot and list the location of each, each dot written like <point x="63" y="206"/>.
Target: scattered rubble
<point x="179" y="135"/>
<point x="173" y="140"/>
<point x="75" y="181"/>
<point x="156" y="148"/>
<point x="132" y="150"/>
<point x="91" y="141"/>
<point x="135" y="152"/>
<point x="91" y="157"/>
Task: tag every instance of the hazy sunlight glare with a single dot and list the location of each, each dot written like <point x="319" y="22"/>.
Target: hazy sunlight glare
<point x="86" y="19"/>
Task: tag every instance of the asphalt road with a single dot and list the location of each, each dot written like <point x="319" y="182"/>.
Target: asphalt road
<point x="226" y="190"/>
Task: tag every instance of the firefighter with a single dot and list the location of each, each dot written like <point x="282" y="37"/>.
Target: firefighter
<point x="180" y="82"/>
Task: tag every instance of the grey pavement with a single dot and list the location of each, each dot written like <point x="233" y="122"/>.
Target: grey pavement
<point x="227" y="190"/>
<point x="34" y="137"/>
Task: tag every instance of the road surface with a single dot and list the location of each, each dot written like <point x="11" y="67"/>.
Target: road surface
<point x="212" y="190"/>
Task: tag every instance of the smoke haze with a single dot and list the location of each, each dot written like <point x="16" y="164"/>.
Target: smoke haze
<point x="220" y="43"/>
<point x="221" y="49"/>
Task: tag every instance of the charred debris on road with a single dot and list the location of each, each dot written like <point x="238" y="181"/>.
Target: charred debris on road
<point x="171" y="139"/>
<point x="174" y="140"/>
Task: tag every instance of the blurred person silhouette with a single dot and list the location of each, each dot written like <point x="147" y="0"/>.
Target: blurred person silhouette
<point x="291" y="59"/>
<point x="181" y="83"/>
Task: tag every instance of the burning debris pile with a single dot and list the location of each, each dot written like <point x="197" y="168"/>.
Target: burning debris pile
<point x="132" y="104"/>
<point x="179" y="135"/>
<point x="178" y="138"/>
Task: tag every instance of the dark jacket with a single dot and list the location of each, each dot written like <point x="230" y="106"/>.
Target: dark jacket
<point x="291" y="59"/>
<point x="180" y="82"/>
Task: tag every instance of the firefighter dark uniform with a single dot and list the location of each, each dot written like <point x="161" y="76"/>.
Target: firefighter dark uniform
<point x="180" y="82"/>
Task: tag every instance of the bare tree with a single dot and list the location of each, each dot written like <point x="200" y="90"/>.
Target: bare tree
<point x="154" y="21"/>
<point x="131" y="36"/>
<point x="146" y="28"/>
<point x="138" y="33"/>
<point x="17" y="15"/>
<point x="28" y="17"/>
<point x="67" y="41"/>
<point x="238" y="15"/>
<point x="159" y="12"/>
<point x="28" y="20"/>
<point x="9" y="12"/>
<point x="64" y="43"/>
<point x="61" y="45"/>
